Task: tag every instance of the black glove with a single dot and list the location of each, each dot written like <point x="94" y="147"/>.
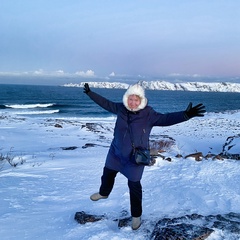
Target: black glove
<point x="86" y="88"/>
<point x="197" y="111"/>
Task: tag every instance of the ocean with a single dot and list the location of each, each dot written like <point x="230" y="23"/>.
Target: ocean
<point x="71" y="102"/>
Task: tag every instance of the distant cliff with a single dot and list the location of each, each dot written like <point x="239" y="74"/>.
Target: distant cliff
<point x="163" y="85"/>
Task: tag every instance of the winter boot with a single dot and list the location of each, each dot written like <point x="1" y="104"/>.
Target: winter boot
<point x="136" y="223"/>
<point x="97" y="196"/>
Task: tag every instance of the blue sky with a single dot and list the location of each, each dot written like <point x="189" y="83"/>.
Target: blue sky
<point x="103" y="38"/>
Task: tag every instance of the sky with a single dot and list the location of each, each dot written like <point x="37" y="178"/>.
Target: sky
<point x="103" y="38"/>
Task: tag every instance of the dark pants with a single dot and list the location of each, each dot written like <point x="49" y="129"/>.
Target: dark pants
<point x="135" y="190"/>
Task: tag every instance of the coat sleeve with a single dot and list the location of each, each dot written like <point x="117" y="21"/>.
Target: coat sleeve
<point x="168" y="119"/>
<point x="104" y="103"/>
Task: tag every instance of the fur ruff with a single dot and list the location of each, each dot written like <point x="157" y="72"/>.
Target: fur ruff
<point x="138" y="90"/>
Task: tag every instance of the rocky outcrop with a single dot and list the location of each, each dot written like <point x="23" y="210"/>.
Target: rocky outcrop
<point x="195" y="226"/>
<point x="163" y="143"/>
<point x="231" y="148"/>
<point x="190" y="227"/>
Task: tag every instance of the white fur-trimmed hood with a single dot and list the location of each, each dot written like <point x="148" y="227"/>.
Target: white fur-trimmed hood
<point x="138" y="90"/>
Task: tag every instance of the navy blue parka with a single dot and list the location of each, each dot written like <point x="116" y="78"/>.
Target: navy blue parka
<point x="119" y="157"/>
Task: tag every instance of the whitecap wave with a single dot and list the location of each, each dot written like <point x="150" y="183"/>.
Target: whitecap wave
<point x="28" y="106"/>
<point x="98" y="119"/>
<point x="36" y="112"/>
<point x="89" y="119"/>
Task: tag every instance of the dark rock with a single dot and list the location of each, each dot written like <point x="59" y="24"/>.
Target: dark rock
<point x="87" y="145"/>
<point x="187" y="227"/>
<point x="195" y="226"/>
<point x="218" y="157"/>
<point x="90" y="126"/>
<point x="82" y="217"/>
<point x="69" y="148"/>
<point x="58" y="125"/>
<point x="97" y="128"/>
<point x="228" y="222"/>
<point x="210" y="155"/>
<point x="124" y="222"/>
<point x="181" y="231"/>
<point x="198" y="156"/>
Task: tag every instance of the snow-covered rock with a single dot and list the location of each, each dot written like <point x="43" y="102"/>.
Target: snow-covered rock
<point x="231" y="147"/>
<point x="164" y="85"/>
<point x="116" y="85"/>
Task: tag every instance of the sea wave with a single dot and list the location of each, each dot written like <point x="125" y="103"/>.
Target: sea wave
<point x="36" y="112"/>
<point x="28" y="106"/>
<point x="96" y="119"/>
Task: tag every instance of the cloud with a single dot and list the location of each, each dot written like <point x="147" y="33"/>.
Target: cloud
<point x="38" y="72"/>
<point x="184" y="75"/>
<point x="59" y="72"/>
<point x="53" y="73"/>
<point x="56" y="73"/>
<point x="88" y="73"/>
<point x="112" y="74"/>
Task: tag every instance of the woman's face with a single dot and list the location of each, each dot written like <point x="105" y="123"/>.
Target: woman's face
<point x="133" y="101"/>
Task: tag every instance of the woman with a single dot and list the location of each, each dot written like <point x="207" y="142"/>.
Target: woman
<point x="141" y="118"/>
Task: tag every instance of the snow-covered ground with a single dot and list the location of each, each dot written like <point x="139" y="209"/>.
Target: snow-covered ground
<point x="38" y="198"/>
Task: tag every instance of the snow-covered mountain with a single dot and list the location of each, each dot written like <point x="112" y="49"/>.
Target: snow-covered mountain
<point x="116" y="85"/>
<point x="163" y="85"/>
